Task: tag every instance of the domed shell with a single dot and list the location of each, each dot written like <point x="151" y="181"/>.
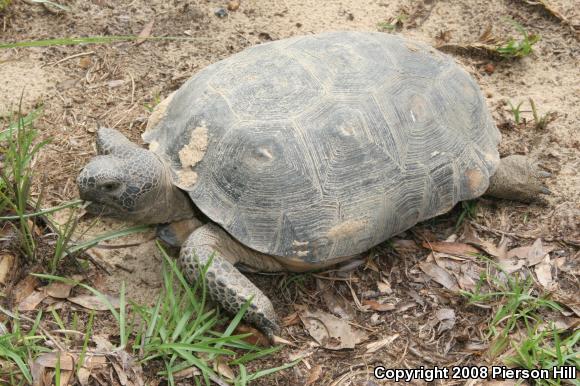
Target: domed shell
<point x="319" y="147"/>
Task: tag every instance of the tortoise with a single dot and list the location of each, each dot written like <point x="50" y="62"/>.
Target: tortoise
<point x="302" y="153"/>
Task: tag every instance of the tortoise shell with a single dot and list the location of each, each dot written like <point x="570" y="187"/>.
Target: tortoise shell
<point x="323" y="146"/>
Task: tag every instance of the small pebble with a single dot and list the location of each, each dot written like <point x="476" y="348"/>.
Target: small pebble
<point x="489" y="68"/>
<point x="220" y="12"/>
<point x="233" y="5"/>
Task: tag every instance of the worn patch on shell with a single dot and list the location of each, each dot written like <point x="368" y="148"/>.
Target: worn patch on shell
<point x="159" y="112"/>
<point x="190" y="155"/>
<point x="346" y="228"/>
<point x="186" y="178"/>
<point x="193" y="152"/>
<point x="475" y="179"/>
<point x="153" y="146"/>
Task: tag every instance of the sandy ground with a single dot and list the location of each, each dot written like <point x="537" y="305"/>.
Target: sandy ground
<point x="113" y="85"/>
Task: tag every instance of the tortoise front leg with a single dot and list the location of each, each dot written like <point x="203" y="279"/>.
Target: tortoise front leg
<point x="226" y="285"/>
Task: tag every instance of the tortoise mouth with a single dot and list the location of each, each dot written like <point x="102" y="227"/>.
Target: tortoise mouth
<point x="107" y="210"/>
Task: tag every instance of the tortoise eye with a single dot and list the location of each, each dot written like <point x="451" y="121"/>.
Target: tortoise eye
<point x="110" y="186"/>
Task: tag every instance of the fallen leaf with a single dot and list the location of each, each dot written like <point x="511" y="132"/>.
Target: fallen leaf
<point x="384" y="286"/>
<point x="290" y="320"/>
<point x="103" y="344"/>
<point x="94" y="361"/>
<point x="544" y="273"/>
<point x="95" y="302"/>
<point x="50" y="359"/>
<point x="6" y="266"/>
<point x="58" y="289"/>
<point x="257" y="338"/>
<point x="32" y="301"/>
<point x="24" y="288"/>
<point x="379" y="344"/>
<point x="532" y="254"/>
<point x="222" y="368"/>
<point x="65" y="377"/>
<point x="331" y="332"/>
<point x="83" y="376"/>
<point x="121" y="374"/>
<point x="374" y="305"/>
<point x="335" y="304"/>
<point x="402" y="307"/>
<point x="189" y="372"/>
<point x="446" y="318"/>
<point x="314" y="375"/>
<point x="145" y="32"/>
<point x="456" y="249"/>
<point x="439" y="275"/>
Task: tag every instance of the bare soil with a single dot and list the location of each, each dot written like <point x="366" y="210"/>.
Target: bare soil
<point x="81" y="87"/>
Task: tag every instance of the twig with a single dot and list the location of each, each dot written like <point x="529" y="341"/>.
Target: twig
<point x="70" y="57"/>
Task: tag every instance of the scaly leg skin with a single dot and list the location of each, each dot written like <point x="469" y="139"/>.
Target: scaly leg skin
<point x="175" y="233"/>
<point x="226" y="285"/>
<point x="518" y="178"/>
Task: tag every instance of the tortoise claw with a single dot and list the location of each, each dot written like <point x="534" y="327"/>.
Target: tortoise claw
<point x="543" y="174"/>
<point x="544" y="190"/>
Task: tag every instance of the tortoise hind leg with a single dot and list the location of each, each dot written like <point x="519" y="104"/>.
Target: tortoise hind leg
<point x="226" y="285"/>
<point x="518" y="178"/>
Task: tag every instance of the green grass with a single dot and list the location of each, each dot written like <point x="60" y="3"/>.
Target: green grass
<point x="546" y="349"/>
<point x="540" y="122"/>
<point x="468" y="210"/>
<point x="516" y="112"/>
<point x="18" y="149"/>
<point x="518" y="48"/>
<point x="180" y="331"/>
<point x="17" y="348"/>
<point x="394" y="24"/>
<point x="519" y="311"/>
<point x="71" y="41"/>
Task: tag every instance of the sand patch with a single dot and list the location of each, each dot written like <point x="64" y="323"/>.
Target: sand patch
<point x="24" y="79"/>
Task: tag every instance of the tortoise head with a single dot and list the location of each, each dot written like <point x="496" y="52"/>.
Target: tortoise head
<point x="128" y="182"/>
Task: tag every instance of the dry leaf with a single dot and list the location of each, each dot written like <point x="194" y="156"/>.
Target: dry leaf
<point x="94" y="361"/>
<point x="544" y="273"/>
<point x="50" y="359"/>
<point x="384" y="286"/>
<point x="94" y="302"/>
<point x="314" y="375"/>
<point x="189" y="372"/>
<point x="331" y="332"/>
<point x="222" y="368"/>
<point x="83" y="376"/>
<point x="32" y="301"/>
<point x="379" y="344"/>
<point x="24" y="288"/>
<point x="455" y="249"/>
<point x="257" y="338"/>
<point x="121" y="374"/>
<point x="532" y="254"/>
<point x="378" y="306"/>
<point x="446" y="318"/>
<point x="6" y="266"/>
<point x="335" y="304"/>
<point x="145" y="32"/>
<point x="439" y="275"/>
<point x="59" y="290"/>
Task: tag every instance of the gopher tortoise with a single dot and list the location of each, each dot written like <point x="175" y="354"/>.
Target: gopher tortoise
<point x="302" y="153"/>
